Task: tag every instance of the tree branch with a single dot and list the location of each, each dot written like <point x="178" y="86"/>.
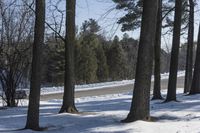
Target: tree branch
<point x="60" y="36"/>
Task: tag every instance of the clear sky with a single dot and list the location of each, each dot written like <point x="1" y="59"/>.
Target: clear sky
<point x="96" y="9"/>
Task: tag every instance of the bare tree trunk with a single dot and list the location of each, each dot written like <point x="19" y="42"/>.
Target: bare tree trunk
<point x="141" y="95"/>
<point x="34" y="97"/>
<point x="171" y="93"/>
<point x="189" y="59"/>
<point x="69" y="85"/>
<point x="195" y="87"/>
<point x="157" y="52"/>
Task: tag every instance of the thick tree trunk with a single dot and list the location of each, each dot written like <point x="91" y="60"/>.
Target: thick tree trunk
<point x="69" y="85"/>
<point x="195" y="87"/>
<point x="189" y="59"/>
<point x="141" y="95"/>
<point x="157" y="51"/>
<point x="171" y="93"/>
<point x="34" y="97"/>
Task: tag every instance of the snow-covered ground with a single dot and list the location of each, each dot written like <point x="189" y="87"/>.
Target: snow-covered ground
<point x="50" y="90"/>
<point x="102" y="114"/>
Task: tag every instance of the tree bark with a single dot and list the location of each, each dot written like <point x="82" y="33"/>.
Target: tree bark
<point x="69" y="83"/>
<point x="141" y="95"/>
<point x="171" y="93"/>
<point x="189" y="59"/>
<point x="157" y="52"/>
<point x="195" y="87"/>
<point x="34" y="97"/>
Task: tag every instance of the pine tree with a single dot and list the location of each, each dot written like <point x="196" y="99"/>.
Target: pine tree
<point x="116" y="60"/>
<point x="157" y="54"/>
<point x="55" y="62"/>
<point x="87" y="65"/>
<point x="92" y="52"/>
<point x="130" y="47"/>
<point x="195" y="87"/>
<point x="140" y="102"/>
<point x="90" y="27"/>
<point x="189" y="58"/>
<point x="132" y="20"/>
<point x="171" y="93"/>
<point x="77" y="58"/>
<point x="102" y="70"/>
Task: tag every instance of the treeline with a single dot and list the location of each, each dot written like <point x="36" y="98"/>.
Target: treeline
<point x="97" y="59"/>
<point x="88" y="57"/>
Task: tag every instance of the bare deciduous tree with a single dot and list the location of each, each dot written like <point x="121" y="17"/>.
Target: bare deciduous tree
<point x="34" y="97"/>
<point x="16" y="33"/>
<point x="69" y="83"/>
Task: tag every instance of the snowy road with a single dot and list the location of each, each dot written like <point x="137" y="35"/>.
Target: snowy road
<point x="109" y="90"/>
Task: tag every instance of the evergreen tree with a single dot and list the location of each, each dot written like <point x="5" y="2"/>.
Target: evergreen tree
<point x="157" y="54"/>
<point x="195" y="87"/>
<point x="87" y="69"/>
<point x="189" y="58"/>
<point x="77" y="58"/>
<point x="90" y="27"/>
<point x="171" y="93"/>
<point x="130" y="47"/>
<point x="140" y="107"/>
<point x="116" y="60"/>
<point x="91" y="51"/>
<point x="132" y="20"/>
<point x="102" y="70"/>
<point x="54" y="62"/>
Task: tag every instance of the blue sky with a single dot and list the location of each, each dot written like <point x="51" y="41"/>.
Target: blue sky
<point x="96" y="9"/>
<point x="86" y="9"/>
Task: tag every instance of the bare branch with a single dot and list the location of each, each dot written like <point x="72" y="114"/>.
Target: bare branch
<point x="56" y="32"/>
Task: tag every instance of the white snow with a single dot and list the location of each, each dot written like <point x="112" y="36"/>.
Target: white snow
<point x="102" y="114"/>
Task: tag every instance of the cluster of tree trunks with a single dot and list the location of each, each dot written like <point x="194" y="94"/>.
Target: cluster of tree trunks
<point x="149" y="45"/>
<point x="34" y="97"/>
<point x="141" y="93"/>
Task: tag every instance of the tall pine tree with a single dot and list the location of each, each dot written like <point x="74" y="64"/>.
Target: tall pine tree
<point x="157" y="54"/>
<point x="140" y="109"/>
<point x="171" y="92"/>
<point x="189" y="57"/>
<point x="195" y="87"/>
